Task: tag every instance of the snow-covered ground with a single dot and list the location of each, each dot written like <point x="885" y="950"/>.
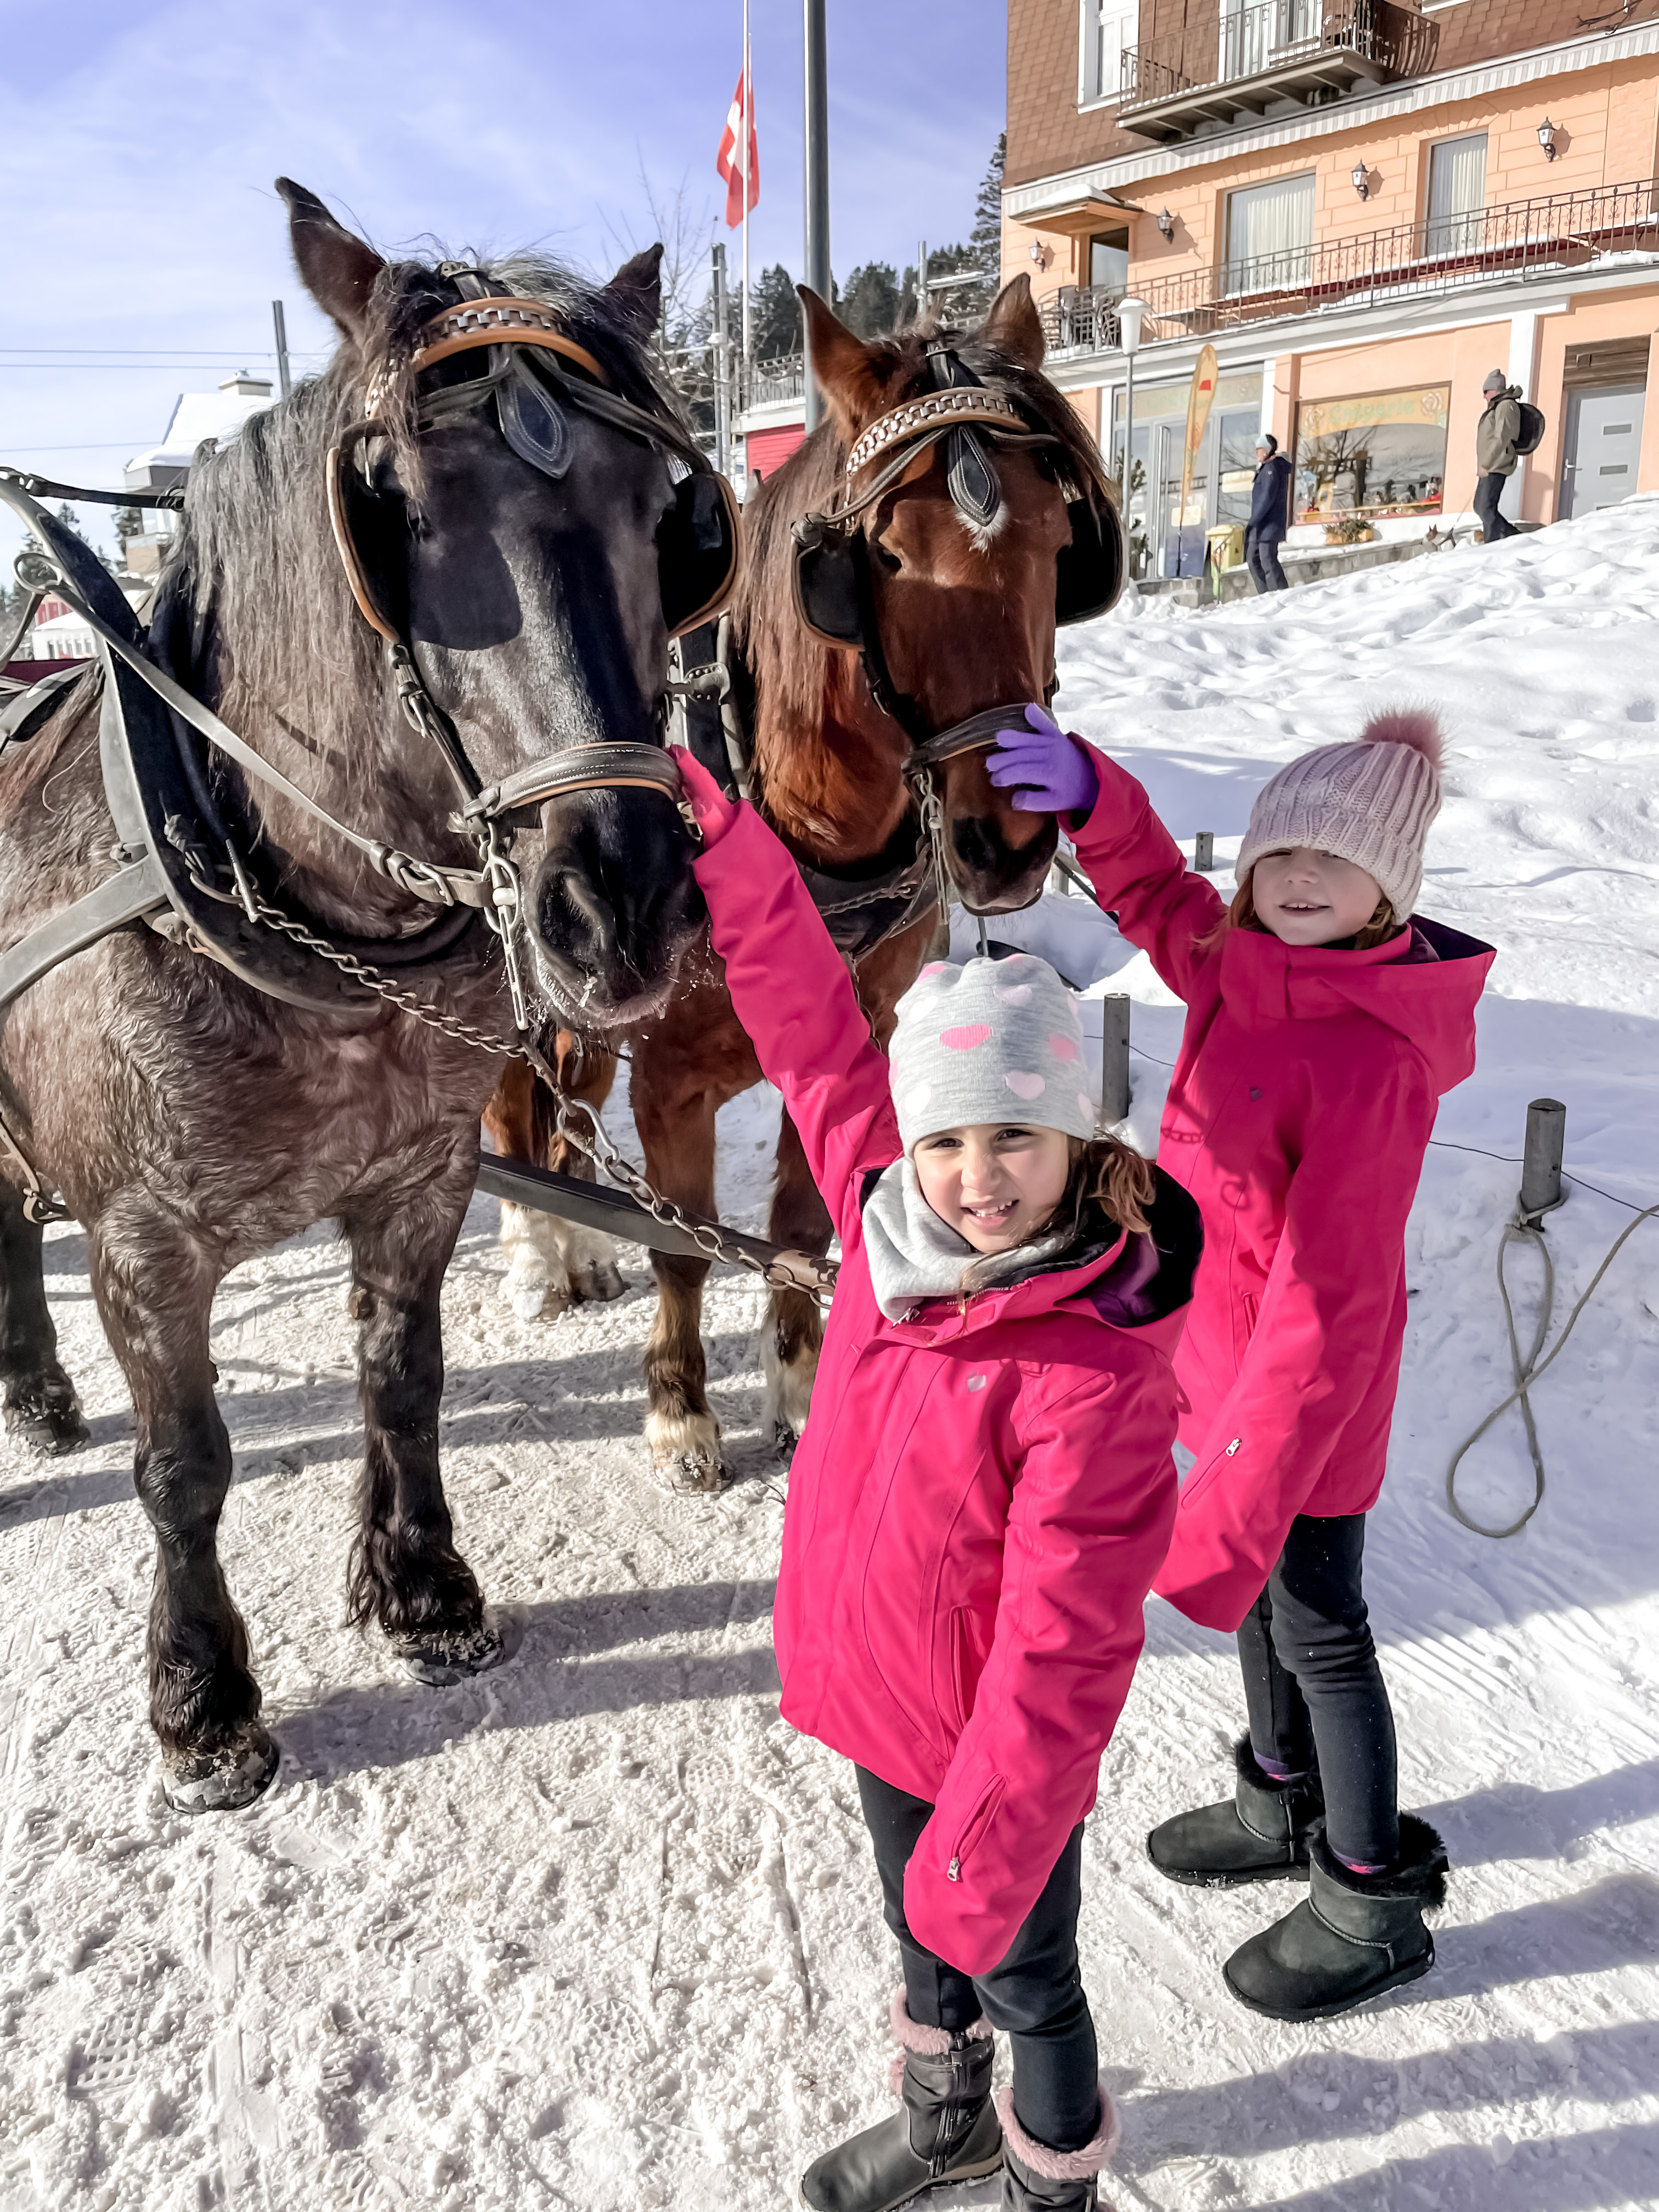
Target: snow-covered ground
<point x="598" y="1931"/>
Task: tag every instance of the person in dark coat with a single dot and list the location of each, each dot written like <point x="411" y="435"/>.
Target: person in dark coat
<point x="1270" y="516"/>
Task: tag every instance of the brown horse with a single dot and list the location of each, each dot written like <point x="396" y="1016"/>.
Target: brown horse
<point x="965" y="612"/>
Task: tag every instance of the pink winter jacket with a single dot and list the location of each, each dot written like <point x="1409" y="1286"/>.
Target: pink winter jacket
<point x="1300" y="1105"/>
<point x="980" y="1501"/>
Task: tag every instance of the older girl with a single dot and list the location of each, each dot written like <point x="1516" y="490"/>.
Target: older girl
<point x="1323" y="1025"/>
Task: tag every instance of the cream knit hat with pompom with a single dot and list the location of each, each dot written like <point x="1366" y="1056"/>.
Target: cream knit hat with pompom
<point x="1370" y="802"/>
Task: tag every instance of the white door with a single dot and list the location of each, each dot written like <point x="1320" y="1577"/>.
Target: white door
<point x="1604" y="435"/>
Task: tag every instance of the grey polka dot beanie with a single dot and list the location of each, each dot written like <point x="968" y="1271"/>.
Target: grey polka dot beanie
<point x="991" y="1041"/>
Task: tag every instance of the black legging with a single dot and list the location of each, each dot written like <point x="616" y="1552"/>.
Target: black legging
<point x="1035" y="1994"/>
<point x="1313" y="1691"/>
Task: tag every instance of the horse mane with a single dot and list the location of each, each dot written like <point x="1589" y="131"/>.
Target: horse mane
<point x="789" y="668"/>
<point x="253" y="590"/>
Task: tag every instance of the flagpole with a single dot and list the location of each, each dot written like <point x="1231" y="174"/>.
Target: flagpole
<point x="748" y="135"/>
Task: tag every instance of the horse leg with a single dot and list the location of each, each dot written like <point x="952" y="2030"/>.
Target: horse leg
<point x="799" y="1222"/>
<point x="588" y="1256"/>
<point x="551" y="1262"/>
<point x="155" y="1290"/>
<point x="37" y="1398"/>
<point x="677" y="1133"/>
<point x="406" y="1573"/>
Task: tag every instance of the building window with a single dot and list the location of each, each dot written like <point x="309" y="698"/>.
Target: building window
<point x="1107" y="28"/>
<point x="1457" y="195"/>
<point x="1384" y="453"/>
<point x="1269" y="235"/>
<point x="1257" y="33"/>
<point x="1108" y="261"/>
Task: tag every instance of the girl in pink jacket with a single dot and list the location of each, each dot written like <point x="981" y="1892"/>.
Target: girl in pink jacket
<point x="977" y="1507"/>
<point x="1323" y="1026"/>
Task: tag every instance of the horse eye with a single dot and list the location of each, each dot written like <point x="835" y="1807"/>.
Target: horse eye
<point x="887" y="561"/>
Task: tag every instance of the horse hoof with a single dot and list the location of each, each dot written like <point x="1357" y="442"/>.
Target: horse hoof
<point x="223" y="1780"/>
<point x="685" y="1451"/>
<point x="599" y="1282"/>
<point x="48" y="1417"/>
<point x="438" y="1658"/>
<point x="784" y="1440"/>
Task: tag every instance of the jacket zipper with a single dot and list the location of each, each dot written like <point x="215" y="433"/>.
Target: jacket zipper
<point x="974" y="1826"/>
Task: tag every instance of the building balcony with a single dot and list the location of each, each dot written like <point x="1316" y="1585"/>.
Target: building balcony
<point x="1272" y="58"/>
<point x="1554" y="233"/>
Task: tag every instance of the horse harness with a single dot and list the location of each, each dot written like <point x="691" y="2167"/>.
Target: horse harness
<point x="835" y="600"/>
<point x="178" y="867"/>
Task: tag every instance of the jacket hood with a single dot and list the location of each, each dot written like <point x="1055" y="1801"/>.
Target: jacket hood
<point x="1139" y="1282"/>
<point x="1425" y="989"/>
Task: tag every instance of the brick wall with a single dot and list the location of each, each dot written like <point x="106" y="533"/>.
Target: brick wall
<point x="1046" y="133"/>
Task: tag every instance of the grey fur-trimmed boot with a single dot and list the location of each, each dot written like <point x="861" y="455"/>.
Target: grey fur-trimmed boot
<point x="1037" y="2179"/>
<point x="947" y="2131"/>
<point x="1352" y="1937"/>
<point x="1259" y="1834"/>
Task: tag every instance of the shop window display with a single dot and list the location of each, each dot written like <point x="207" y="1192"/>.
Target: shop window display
<point x="1380" y="455"/>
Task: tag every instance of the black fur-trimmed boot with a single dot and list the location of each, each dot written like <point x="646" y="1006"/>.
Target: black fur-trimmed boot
<point x="1259" y="1834"/>
<point x="1037" y="2179"/>
<point x="947" y="2131"/>
<point x="1353" y="1937"/>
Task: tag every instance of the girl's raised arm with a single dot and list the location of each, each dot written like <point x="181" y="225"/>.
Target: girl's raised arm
<point x="1134" y="864"/>
<point x="794" y="997"/>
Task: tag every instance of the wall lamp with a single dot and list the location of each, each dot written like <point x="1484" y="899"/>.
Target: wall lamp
<point x="1166" y="224"/>
<point x="1546" y="139"/>
<point x="1362" y="181"/>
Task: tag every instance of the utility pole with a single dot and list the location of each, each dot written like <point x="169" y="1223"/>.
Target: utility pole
<point x="722" y="369"/>
<point x="817" y="181"/>
<point x="284" y="382"/>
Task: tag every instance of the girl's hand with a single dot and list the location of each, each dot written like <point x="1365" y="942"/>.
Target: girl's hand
<point x="713" y="811"/>
<point x="1047" y="771"/>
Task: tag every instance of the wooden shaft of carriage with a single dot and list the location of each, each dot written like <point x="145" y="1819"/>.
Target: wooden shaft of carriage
<point x="596" y="1206"/>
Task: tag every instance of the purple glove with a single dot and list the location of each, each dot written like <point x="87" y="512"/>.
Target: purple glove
<point x="1048" y="772"/>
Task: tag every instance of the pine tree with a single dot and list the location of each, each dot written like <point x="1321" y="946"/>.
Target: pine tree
<point x="774" y="314"/>
<point x="986" y="241"/>
<point x="871" y="304"/>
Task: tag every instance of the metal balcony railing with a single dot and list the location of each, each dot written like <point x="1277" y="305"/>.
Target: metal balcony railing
<point x="1330" y="44"/>
<point x="1521" y="238"/>
<point x="770" y="381"/>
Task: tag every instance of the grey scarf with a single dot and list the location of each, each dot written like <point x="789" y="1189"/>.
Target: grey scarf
<point x="914" y="1256"/>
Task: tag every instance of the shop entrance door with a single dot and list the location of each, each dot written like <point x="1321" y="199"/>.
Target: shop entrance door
<point x="1604" y="436"/>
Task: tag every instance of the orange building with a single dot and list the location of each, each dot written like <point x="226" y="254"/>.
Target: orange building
<point x="1364" y="207"/>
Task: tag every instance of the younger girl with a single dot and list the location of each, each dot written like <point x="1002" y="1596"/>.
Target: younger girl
<point x="1323" y="1026"/>
<point x="978" y="1505"/>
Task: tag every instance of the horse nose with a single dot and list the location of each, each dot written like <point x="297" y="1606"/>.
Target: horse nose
<point x="996" y="873"/>
<point x="616" y="903"/>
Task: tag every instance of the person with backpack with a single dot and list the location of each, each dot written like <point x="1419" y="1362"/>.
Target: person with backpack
<point x="977" y="1506"/>
<point x="1324" y="1023"/>
<point x="1270" y="516"/>
<point x="1498" y="445"/>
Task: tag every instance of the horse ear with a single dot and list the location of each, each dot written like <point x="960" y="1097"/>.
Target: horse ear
<point x="1014" y="326"/>
<point x="843" y="365"/>
<point x="636" y="292"/>
<point x="337" y="270"/>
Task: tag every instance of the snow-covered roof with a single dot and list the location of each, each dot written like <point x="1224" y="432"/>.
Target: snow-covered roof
<point x="196" y="416"/>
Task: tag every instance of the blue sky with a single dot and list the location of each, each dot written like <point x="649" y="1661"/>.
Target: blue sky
<point x="137" y="148"/>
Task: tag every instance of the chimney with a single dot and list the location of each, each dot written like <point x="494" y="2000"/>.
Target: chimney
<point x="246" y="387"/>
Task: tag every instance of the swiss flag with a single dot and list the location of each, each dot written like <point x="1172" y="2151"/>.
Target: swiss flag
<point x="739" y="124"/>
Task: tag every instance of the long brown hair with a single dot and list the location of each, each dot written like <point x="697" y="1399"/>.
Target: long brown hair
<point x="1242" y="914"/>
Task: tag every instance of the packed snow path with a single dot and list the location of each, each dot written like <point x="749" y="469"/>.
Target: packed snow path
<point x="598" y="1931"/>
